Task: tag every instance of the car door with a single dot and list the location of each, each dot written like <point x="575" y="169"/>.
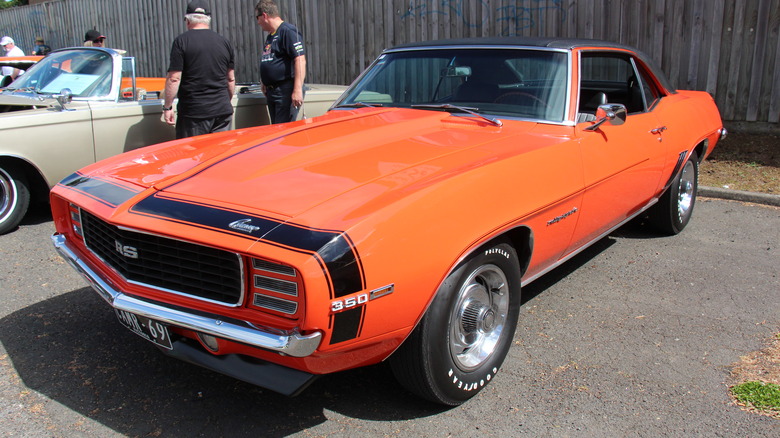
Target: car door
<point x="56" y="141"/>
<point x="127" y="125"/>
<point x="622" y="164"/>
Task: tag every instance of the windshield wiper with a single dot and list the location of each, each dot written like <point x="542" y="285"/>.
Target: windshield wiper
<point x="20" y="89"/>
<point x="359" y="105"/>
<point x="462" y="109"/>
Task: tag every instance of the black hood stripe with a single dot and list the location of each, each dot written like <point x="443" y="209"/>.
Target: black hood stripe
<point x="334" y="248"/>
<point x="107" y="192"/>
<point x="347" y="325"/>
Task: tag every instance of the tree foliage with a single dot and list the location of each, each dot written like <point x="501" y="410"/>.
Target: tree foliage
<point x="13" y="3"/>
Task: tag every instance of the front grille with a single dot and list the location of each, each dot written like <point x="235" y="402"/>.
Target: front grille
<point x="163" y="263"/>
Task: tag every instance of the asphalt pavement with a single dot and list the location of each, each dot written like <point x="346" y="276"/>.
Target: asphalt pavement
<point x="635" y="336"/>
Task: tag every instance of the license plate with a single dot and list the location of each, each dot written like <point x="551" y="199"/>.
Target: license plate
<point x="149" y="329"/>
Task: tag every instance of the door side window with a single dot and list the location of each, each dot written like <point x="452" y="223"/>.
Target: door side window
<point x="610" y="78"/>
<point x="649" y="89"/>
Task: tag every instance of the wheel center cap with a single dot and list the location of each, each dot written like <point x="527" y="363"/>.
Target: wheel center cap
<point x="488" y="320"/>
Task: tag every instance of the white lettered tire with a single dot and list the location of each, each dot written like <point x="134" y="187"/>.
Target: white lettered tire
<point x="461" y="342"/>
<point x="14" y="198"/>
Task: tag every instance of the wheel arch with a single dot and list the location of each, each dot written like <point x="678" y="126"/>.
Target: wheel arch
<point x="39" y="187"/>
<point x="701" y="149"/>
<point x="520" y="237"/>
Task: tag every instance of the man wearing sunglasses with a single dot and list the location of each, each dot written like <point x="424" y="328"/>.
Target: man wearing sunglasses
<point x="282" y="63"/>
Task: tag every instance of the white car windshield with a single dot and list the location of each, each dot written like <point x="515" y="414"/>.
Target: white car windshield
<point x="523" y="83"/>
<point x="86" y="73"/>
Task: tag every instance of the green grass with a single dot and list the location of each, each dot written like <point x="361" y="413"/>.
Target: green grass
<point x="760" y="395"/>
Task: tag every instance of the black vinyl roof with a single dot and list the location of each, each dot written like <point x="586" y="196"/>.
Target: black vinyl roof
<point x="552" y="43"/>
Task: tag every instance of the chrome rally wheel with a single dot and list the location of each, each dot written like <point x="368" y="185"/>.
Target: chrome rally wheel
<point x="686" y="192"/>
<point x="478" y="319"/>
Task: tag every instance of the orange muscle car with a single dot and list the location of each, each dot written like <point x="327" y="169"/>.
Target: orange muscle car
<point x="398" y="226"/>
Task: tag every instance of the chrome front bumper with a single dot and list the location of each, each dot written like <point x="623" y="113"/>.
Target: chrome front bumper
<point x="289" y="343"/>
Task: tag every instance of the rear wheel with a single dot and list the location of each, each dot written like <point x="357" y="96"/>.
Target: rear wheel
<point x="461" y="342"/>
<point x="673" y="211"/>
<point x="14" y="198"/>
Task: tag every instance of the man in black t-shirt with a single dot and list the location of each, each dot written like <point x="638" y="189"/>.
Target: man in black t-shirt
<point x="201" y="72"/>
<point x="283" y="63"/>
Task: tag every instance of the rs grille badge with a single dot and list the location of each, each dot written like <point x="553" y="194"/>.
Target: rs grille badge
<point x="243" y="225"/>
<point x="128" y="251"/>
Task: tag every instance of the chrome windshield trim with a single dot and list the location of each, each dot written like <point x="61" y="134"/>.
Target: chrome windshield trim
<point x="476" y="46"/>
<point x="290" y="343"/>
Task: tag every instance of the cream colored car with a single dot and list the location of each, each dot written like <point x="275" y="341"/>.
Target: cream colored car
<point x="84" y="104"/>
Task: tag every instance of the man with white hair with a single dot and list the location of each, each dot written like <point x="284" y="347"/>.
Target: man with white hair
<point x="11" y="50"/>
<point x="201" y="72"/>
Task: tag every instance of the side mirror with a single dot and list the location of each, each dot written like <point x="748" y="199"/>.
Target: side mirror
<point x="65" y="97"/>
<point x="615" y="113"/>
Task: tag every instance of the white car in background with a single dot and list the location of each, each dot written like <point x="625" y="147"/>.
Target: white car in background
<point x="80" y="105"/>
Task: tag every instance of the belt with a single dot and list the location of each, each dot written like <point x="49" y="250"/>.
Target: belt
<point x="278" y="84"/>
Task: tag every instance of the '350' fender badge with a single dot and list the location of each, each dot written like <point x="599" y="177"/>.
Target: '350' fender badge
<point x="360" y="299"/>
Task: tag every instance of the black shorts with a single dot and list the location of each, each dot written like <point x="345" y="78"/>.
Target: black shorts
<point x="189" y="127"/>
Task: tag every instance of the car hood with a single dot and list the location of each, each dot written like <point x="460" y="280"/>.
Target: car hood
<point x="16" y="98"/>
<point x="20" y="62"/>
<point x="288" y="169"/>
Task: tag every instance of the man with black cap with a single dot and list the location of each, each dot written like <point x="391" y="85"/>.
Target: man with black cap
<point x="94" y="38"/>
<point x="201" y="72"/>
<point x="282" y="63"/>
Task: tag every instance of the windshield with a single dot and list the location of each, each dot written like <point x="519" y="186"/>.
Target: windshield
<point x="523" y="83"/>
<point x="87" y="73"/>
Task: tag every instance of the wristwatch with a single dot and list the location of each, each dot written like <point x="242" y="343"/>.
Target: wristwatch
<point x="167" y="108"/>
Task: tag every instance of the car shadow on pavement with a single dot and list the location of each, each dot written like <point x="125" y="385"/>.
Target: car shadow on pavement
<point x="37" y="213"/>
<point x="634" y="229"/>
<point x="71" y="349"/>
<point x="546" y="281"/>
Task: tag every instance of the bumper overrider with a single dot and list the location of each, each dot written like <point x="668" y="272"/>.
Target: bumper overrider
<point x="261" y="373"/>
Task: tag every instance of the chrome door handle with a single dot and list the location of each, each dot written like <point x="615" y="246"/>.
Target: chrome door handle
<point x="658" y="130"/>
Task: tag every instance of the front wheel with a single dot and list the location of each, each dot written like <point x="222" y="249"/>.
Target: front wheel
<point x="463" y="338"/>
<point x="673" y="211"/>
<point x="14" y="198"/>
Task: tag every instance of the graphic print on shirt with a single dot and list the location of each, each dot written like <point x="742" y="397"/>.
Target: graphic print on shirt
<point x="268" y="54"/>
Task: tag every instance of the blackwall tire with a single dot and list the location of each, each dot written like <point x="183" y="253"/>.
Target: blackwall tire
<point x="673" y="211"/>
<point x="14" y="198"/>
<point x="461" y="342"/>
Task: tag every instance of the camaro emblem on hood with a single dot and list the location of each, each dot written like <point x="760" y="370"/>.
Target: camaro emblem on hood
<point x="243" y="225"/>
